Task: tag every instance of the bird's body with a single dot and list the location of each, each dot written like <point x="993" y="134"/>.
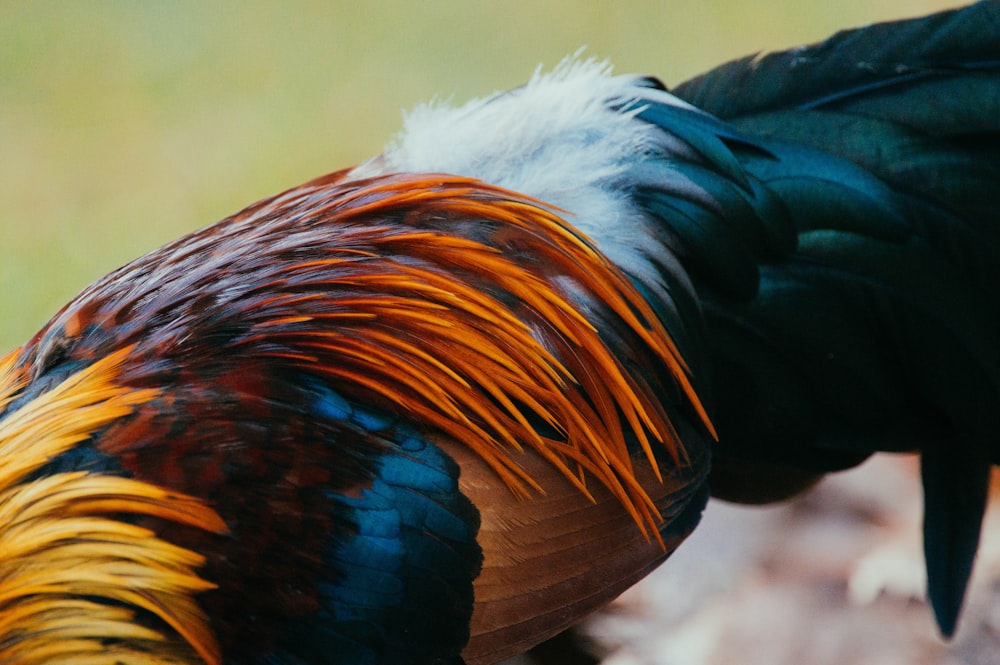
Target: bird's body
<point x="442" y="405"/>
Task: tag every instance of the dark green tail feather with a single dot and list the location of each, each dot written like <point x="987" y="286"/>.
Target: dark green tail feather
<point x="866" y="66"/>
<point x="881" y="331"/>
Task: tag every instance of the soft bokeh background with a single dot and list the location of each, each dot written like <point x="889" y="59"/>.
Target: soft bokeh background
<point x="124" y="124"/>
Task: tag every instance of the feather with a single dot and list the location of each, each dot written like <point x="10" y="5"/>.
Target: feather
<point x="438" y="407"/>
<point x="881" y="142"/>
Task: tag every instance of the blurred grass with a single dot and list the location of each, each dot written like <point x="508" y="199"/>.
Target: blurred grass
<point x="124" y="124"/>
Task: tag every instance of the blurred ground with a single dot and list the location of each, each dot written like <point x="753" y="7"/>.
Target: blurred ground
<point x="835" y="578"/>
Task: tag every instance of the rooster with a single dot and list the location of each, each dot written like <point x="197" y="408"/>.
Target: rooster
<point x="436" y="408"/>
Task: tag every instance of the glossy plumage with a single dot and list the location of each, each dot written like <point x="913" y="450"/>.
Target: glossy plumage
<point x="439" y="407"/>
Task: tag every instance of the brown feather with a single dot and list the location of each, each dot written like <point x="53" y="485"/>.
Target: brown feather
<point x="553" y="559"/>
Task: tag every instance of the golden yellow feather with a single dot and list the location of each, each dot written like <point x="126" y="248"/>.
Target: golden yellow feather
<point x="71" y="576"/>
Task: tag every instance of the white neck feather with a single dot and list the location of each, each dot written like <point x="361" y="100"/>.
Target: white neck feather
<point x="567" y="137"/>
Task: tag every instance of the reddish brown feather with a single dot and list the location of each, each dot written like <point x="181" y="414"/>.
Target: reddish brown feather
<point x="462" y="306"/>
<point x="469" y="311"/>
<point x="499" y="314"/>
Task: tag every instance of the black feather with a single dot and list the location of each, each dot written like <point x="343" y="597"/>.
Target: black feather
<point x="880" y="331"/>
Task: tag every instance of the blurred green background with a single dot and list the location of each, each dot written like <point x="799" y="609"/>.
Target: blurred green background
<point x="124" y="124"/>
